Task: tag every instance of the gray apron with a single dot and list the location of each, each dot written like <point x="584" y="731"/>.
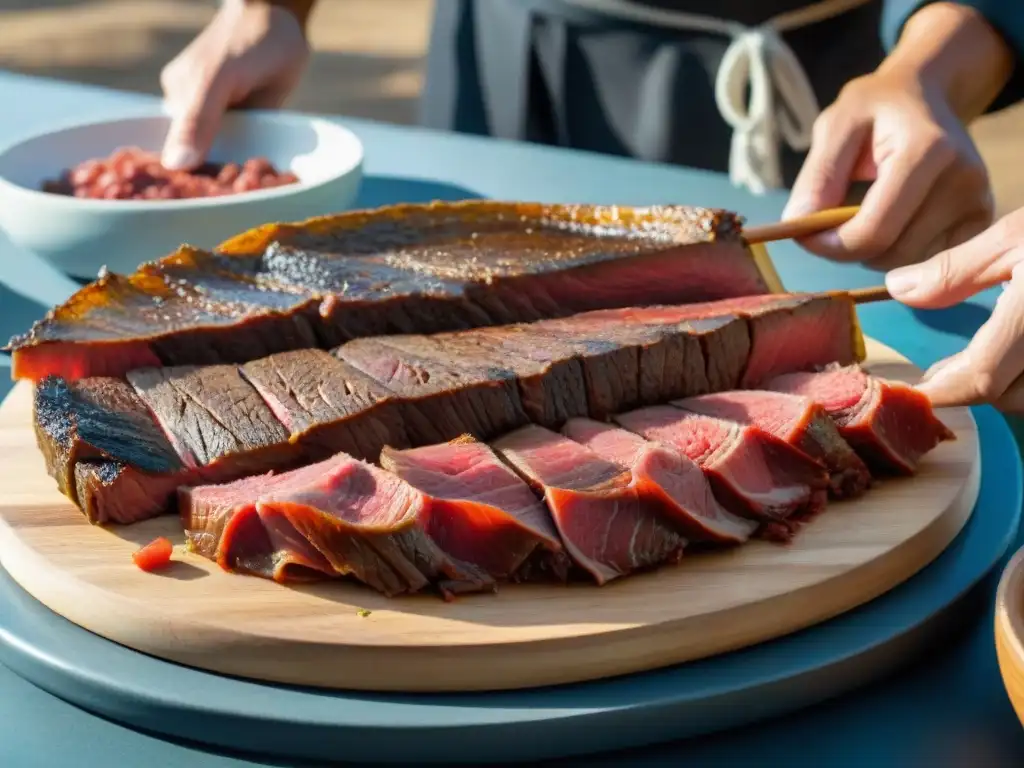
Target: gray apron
<point x="561" y="73"/>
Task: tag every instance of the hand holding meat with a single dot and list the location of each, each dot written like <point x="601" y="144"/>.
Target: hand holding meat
<point x="252" y="54"/>
<point x="989" y="369"/>
<point x="902" y="128"/>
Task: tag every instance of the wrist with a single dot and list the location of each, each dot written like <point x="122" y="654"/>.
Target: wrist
<point x="952" y="49"/>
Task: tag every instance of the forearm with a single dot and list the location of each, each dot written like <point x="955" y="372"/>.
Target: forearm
<point x="952" y="47"/>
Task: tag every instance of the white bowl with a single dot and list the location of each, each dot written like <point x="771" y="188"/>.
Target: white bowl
<point x="79" y="236"/>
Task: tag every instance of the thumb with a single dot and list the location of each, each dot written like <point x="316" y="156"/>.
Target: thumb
<point x="956" y="274"/>
<point x="194" y="126"/>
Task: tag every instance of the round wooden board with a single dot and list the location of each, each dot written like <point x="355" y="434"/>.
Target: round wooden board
<point x="525" y="636"/>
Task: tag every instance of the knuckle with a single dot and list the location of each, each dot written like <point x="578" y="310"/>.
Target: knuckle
<point x="942" y="272"/>
<point x="824" y="123"/>
<point x="937" y="147"/>
<point x="1007" y="231"/>
<point x="983" y="385"/>
<point x="854" y="90"/>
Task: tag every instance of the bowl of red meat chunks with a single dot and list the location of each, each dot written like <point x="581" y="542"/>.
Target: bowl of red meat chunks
<point x="95" y="195"/>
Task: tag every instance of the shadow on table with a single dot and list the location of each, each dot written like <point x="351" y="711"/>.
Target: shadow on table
<point x="386" y="190"/>
<point x="958" y="320"/>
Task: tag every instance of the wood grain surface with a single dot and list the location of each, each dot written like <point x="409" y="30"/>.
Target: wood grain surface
<point x="1010" y="631"/>
<point x="526" y="635"/>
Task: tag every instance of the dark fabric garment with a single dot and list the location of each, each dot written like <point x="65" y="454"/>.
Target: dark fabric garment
<point x="552" y="73"/>
<point x="1007" y="16"/>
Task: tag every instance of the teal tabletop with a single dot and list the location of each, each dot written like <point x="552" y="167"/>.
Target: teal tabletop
<point x="947" y="709"/>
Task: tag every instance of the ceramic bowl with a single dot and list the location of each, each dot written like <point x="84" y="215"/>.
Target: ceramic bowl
<point x="79" y="236"/>
<point x="1010" y="631"/>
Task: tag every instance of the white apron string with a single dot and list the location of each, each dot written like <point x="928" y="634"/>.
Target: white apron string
<point x="781" y="104"/>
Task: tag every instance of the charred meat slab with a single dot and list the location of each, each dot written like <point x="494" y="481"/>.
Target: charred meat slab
<point x="400" y="269"/>
<point x="211" y="414"/>
<point x="444" y="397"/>
<point x="326" y="405"/>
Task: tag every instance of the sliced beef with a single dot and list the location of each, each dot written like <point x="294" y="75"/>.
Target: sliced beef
<point x="610" y="370"/>
<point x="401" y="269"/>
<point x="890" y="424"/>
<point x="327" y="405"/>
<point x="211" y="414"/>
<point x="442" y="398"/>
<point x="480" y="511"/>
<point x="752" y="473"/>
<point x="110" y="491"/>
<point x="340" y="515"/>
<point x="668" y="361"/>
<point x="549" y="377"/>
<point x="825" y="324"/>
<point x="98" y="418"/>
<point x="666" y="475"/>
<point x="797" y="420"/>
<point x="607" y="525"/>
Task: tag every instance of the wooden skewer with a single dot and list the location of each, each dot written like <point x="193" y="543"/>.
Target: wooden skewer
<point x="821" y="221"/>
<point x="869" y="295"/>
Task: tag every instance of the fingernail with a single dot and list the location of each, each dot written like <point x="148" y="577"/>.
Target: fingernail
<point x="177" y="157"/>
<point x="903" y="281"/>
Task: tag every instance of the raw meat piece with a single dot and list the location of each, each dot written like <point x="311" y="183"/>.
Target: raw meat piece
<point x="337" y="517"/>
<point x="798" y="421"/>
<point x="752" y="473"/>
<point x="480" y="511"/>
<point x="607" y="524"/>
<point x="890" y="424"/>
<point x="399" y="269"/>
<point x="666" y="475"/>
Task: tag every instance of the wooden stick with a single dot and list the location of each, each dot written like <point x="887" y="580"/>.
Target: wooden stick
<point x="869" y="295"/>
<point x="821" y="221"/>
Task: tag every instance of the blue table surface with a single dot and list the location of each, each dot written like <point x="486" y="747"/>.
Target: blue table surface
<point x="949" y="709"/>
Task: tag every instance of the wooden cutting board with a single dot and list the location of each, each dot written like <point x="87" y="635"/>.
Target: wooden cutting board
<point x="526" y="635"/>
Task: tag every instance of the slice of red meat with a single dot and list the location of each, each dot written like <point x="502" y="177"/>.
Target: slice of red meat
<point x="797" y="420"/>
<point x="339" y="515"/>
<point x="825" y="324"/>
<point x="608" y="525"/>
<point x="664" y="474"/>
<point x="480" y="511"/>
<point x="753" y="473"/>
<point x="891" y="425"/>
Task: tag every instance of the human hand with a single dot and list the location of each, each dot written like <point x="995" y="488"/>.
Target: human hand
<point x="902" y="128"/>
<point x="252" y="54"/>
<point x="989" y="369"/>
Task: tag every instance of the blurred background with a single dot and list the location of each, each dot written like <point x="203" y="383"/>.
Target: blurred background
<point x="367" y="61"/>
